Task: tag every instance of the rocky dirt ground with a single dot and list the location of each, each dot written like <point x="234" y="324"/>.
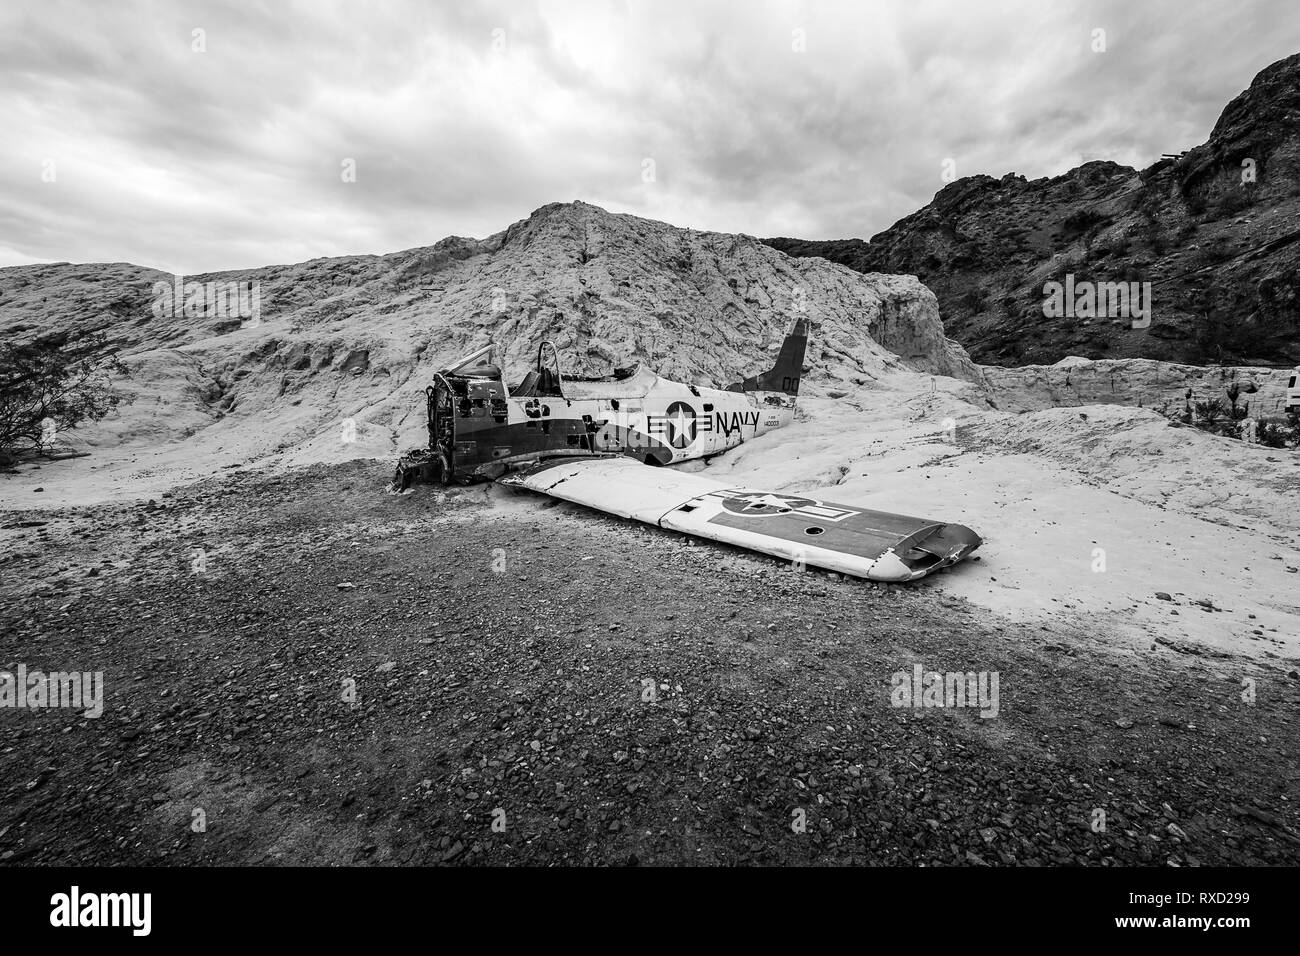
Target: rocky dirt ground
<point x="502" y="649"/>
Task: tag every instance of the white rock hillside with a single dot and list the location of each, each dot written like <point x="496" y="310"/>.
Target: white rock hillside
<point x="358" y="337"/>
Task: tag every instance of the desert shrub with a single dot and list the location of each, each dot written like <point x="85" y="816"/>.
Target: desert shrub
<point x="1208" y="412"/>
<point x="1273" y="435"/>
<point x="1216" y="418"/>
<point x="1239" y="412"/>
<point x="1280" y="433"/>
<point x="1209" y="416"/>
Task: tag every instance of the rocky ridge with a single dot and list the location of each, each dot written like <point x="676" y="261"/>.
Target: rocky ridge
<point x="1216" y="233"/>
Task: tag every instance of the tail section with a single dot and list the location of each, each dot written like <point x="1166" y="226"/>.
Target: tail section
<point x="784" y="375"/>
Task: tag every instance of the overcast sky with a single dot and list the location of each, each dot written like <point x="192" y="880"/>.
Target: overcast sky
<point x="227" y="148"/>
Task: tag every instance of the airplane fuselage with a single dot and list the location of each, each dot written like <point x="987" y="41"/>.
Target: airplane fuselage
<point x="480" y="428"/>
<point x="670" y="423"/>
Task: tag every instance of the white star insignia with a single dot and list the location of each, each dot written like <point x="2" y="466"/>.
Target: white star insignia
<point x="678" y="423"/>
<point x="766" y="501"/>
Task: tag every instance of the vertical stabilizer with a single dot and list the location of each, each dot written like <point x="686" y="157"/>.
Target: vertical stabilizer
<point x="784" y="375"/>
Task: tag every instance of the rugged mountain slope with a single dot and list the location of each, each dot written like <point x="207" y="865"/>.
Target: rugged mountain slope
<point x="359" y="337"/>
<point x="1222" y="255"/>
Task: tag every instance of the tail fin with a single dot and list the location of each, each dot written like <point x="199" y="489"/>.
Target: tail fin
<point x="784" y="375"/>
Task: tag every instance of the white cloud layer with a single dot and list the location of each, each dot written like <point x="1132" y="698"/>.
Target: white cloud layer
<point x="463" y="117"/>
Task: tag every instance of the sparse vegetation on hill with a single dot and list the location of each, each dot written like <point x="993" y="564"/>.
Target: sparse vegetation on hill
<point x="1233" y="418"/>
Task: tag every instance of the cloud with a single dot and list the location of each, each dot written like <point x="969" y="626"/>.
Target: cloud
<point x="225" y="148"/>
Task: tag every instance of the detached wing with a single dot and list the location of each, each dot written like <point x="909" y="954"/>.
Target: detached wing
<point x="852" y="540"/>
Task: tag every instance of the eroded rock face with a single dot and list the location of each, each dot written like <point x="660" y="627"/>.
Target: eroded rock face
<point x="909" y="327"/>
<point x="1140" y="382"/>
<point x="359" y="337"/>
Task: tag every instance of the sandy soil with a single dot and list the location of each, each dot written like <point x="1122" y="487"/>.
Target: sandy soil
<point x="1208" y="521"/>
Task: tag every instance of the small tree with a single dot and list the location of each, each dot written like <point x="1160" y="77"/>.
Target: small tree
<point x="52" y="385"/>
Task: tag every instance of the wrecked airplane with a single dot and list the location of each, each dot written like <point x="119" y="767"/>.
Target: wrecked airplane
<point x="602" y="442"/>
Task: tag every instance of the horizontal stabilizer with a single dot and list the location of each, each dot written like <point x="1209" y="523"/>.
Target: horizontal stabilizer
<point x="850" y="539"/>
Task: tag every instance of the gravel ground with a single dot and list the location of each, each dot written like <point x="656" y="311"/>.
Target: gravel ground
<point x="478" y="676"/>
